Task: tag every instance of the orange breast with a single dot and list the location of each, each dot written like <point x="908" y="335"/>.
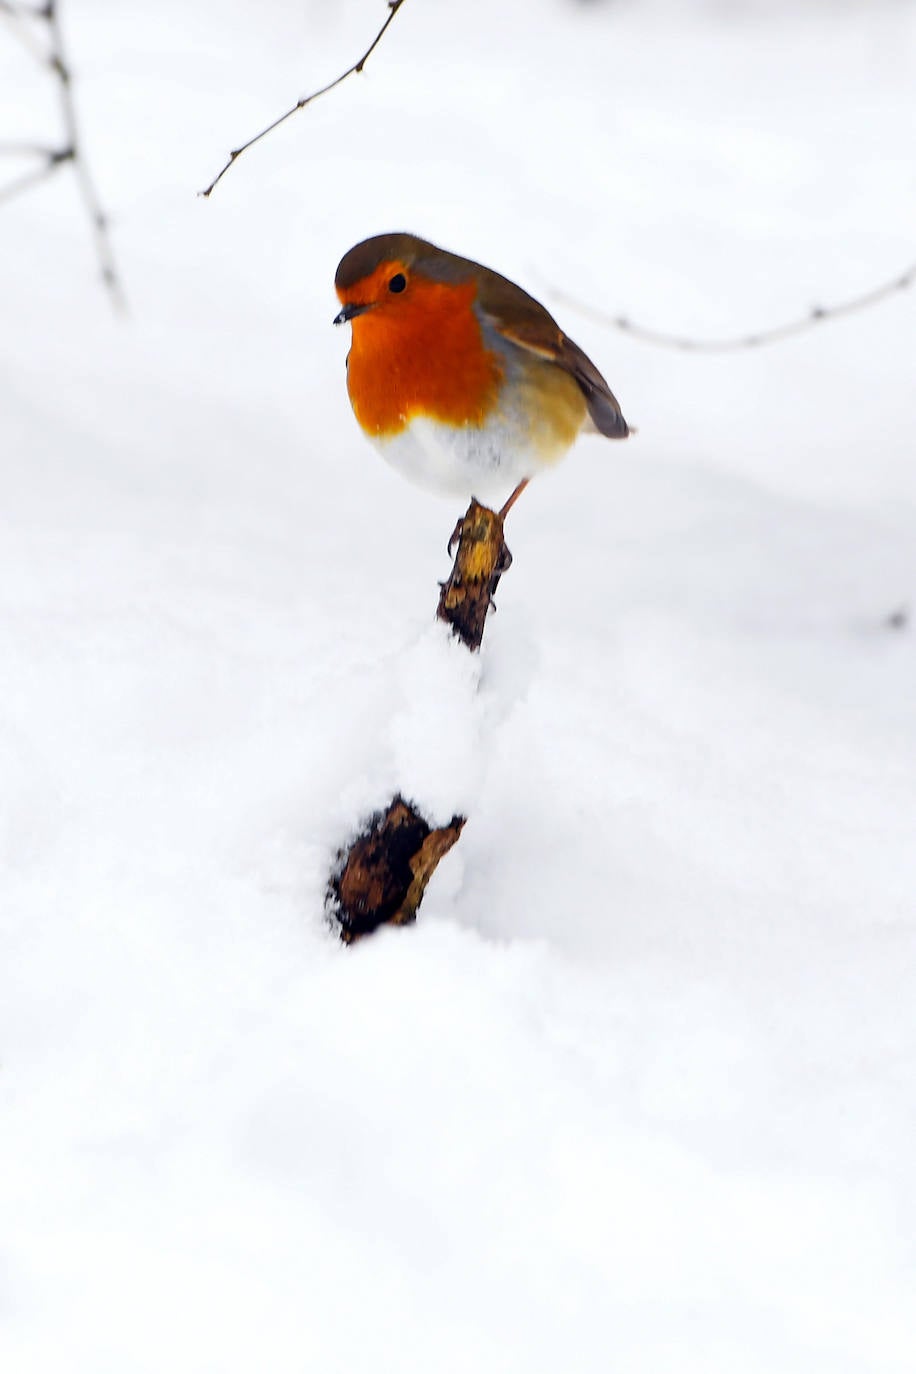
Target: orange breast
<point x="421" y="355"/>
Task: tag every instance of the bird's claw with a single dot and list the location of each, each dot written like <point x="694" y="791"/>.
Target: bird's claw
<point x="455" y="536"/>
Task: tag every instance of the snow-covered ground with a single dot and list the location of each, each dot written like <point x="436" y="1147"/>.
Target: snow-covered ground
<point x="637" y="1091"/>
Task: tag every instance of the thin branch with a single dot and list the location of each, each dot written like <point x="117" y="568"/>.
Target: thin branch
<point x="20" y="11"/>
<point x="819" y="314"/>
<point x="393" y="7"/>
<point x="18" y="19"/>
<point x="32" y="178"/>
<point x="97" y="217"/>
<point x="8" y="149"/>
<point x="21" y="17"/>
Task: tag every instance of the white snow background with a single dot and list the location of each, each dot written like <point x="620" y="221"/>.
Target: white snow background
<point x="636" y="1093"/>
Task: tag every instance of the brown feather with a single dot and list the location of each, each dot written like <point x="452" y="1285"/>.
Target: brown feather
<point x="524" y="321"/>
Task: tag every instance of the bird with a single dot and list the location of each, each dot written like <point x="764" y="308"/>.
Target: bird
<point x="465" y="383"/>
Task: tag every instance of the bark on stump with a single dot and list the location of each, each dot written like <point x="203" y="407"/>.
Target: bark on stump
<point x="480" y="562"/>
<point x="382" y="877"/>
<point x="386" y="869"/>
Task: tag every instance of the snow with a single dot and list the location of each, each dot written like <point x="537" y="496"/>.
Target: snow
<point x="637" y="1091"/>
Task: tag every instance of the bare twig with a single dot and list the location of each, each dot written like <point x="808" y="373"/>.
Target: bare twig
<point x="52" y="54"/>
<point x="97" y="217"/>
<point x="393" y="7"/>
<point x="18" y="19"/>
<point x="13" y="149"/>
<point x="29" y="179"/>
<point x="20" y="11"/>
<point x="818" y="314"/>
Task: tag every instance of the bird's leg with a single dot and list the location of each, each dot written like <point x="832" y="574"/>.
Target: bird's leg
<point x="514" y="497"/>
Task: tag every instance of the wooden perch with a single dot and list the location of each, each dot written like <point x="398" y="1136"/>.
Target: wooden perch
<point x="480" y="562"/>
<point x="383" y="875"/>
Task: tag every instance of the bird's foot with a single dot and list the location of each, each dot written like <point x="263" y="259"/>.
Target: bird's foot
<point x="455" y="537"/>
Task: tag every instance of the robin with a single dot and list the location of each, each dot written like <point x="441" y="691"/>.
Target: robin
<point x="464" y="382"/>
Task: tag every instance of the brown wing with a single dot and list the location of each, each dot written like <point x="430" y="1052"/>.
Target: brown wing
<point x="519" y="317"/>
<point x="515" y="315"/>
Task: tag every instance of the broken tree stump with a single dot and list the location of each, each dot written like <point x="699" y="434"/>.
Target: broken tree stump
<point x="385" y="871"/>
<point x="383" y="875"/>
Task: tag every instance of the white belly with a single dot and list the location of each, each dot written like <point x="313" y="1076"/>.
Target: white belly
<point x="488" y="463"/>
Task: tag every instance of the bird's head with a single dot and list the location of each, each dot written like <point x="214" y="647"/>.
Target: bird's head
<point x="387" y="275"/>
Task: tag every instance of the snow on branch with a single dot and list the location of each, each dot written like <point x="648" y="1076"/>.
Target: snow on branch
<point x="47" y="47"/>
<point x="393" y="7"/>
<point x="818" y="314"/>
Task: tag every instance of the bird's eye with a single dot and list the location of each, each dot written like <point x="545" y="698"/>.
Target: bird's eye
<point x="398" y="282"/>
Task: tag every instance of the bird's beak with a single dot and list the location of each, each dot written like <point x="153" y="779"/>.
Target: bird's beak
<point x="350" y="312"/>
